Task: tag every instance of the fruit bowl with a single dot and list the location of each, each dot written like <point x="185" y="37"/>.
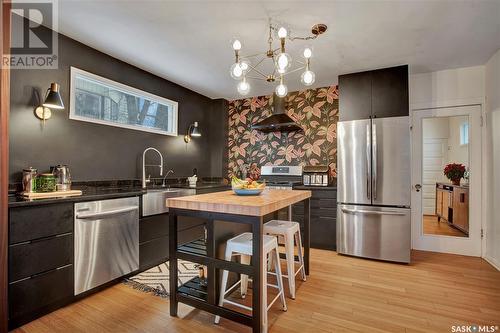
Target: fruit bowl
<point x="253" y="191"/>
<point x="247" y="187"/>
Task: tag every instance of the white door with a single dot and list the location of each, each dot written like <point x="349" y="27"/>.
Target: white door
<point x="428" y="153"/>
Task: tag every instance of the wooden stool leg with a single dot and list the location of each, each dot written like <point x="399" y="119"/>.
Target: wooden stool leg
<point x="290" y="258"/>
<point x="298" y="239"/>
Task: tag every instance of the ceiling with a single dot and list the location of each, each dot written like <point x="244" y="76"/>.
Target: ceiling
<point x="188" y="42"/>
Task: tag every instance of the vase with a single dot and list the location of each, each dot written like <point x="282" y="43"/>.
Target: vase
<point x="456" y="182"/>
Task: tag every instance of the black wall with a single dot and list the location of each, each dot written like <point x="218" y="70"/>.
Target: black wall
<point x="99" y="152"/>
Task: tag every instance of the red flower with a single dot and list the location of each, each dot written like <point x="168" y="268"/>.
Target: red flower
<point x="454" y="171"/>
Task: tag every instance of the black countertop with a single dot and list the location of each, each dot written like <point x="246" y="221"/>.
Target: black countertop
<point x="91" y="193"/>
<point x="201" y="186"/>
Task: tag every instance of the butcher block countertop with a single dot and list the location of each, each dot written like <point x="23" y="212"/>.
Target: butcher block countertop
<point x="228" y="202"/>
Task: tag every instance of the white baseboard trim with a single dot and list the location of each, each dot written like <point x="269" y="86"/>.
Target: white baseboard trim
<point x="492" y="262"/>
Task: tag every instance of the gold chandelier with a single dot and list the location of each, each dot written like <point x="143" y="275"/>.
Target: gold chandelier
<point x="243" y="69"/>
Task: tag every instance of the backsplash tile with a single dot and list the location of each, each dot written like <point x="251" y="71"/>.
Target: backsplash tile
<point x="316" y="110"/>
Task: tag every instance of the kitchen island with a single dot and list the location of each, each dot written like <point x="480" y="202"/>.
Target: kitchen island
<point x="228" y="207"/>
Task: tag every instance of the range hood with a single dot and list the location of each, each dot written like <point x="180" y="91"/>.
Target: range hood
<point x="279" y="121"/>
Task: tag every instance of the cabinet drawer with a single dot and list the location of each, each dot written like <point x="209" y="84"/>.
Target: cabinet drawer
<point x="187" y="222"/>
<point x="153" y="252"/>
<point x="324" y="194"/>
<point x="152" y="227"/>
<point x="29" y="298"/>
<point x="27" y="223"/>
<point x="323" y="233"/>
<point x="323" y="203"/>
<point x="36" y="257"/>
<point x="315" y="211"/>
<point x="325" y="212"/>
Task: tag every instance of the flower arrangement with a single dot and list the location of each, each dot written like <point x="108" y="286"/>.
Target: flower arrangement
<point x="454" y="172"/>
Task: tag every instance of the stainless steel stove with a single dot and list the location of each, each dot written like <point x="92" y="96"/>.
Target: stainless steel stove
<point x="281" y="177"/>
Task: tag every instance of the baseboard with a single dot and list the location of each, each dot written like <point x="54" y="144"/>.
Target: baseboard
<point x="493" y="262"/>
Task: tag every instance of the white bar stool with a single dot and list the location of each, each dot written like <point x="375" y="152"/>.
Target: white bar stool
<point x="241" y="245"/>
<point x="288" y="231"/>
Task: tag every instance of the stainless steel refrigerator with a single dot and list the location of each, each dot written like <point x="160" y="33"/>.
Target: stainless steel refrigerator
<point x="374" y="187"/>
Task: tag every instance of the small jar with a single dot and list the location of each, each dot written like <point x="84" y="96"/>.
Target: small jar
<point x="46" y="182"/>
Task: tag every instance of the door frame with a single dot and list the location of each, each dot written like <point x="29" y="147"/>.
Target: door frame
<point x="4" y="161"/>
<point x="450" y="244"/>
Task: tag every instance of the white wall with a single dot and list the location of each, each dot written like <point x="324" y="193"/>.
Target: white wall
<point x="492" y="154"/>
<point x="436" y="128"/>
<point x="451" y="87"/>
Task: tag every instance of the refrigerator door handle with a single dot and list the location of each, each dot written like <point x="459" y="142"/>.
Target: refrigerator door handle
<point x="374" y="163"/>
<point x="372" y="212"/>
<point x="368" y="162"/>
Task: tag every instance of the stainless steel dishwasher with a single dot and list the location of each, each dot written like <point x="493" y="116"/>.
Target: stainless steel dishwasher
<point x="106" y="241"/>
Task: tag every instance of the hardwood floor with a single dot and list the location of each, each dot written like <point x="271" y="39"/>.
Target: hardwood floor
<point x="433" y="227"/>
<point x="342" y="294"/>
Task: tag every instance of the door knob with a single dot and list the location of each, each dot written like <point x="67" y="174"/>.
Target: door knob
<point x="418" y="187"/>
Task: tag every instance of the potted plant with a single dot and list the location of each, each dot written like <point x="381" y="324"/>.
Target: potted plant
<point x="454" y="172"/>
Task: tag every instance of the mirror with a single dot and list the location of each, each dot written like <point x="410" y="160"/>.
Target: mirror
<point x="445" y="176"/>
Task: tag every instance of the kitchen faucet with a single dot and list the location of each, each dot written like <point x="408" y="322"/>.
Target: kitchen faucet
<point x="144" y="180"/>
<point x="165" y="177"/>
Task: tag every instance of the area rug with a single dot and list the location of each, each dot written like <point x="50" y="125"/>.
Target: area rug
<point x="156" y="280"/>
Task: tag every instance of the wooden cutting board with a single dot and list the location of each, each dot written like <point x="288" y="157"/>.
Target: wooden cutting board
<point x="56" y="194"/>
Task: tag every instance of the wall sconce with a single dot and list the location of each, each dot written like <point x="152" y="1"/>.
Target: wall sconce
<point x="193" y="130"/>
<point x="53" y="100"/>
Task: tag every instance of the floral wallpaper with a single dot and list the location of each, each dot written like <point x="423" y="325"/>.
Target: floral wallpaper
<point x="316" y="110"/>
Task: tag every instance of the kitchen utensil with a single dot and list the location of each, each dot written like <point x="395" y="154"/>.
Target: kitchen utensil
<point x="46" y="182"/>
<point x="316" y="175"/>
<point x="29" y="176"/>
<point x="63" y="177"/>
<point x="192" y="180"/>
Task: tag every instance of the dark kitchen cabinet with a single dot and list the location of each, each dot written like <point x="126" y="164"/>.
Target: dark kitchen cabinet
<point x="30" y="258"/>
<point x="153" y="240"/>
<point x="323" y="223"/>
<point x="40" y="294"/>
<point x="41" y="256"/>
<point x="390" y="92"/>
<point x="374" y="94"/>
<point x="154" y="237"/>
<point x="355" y="96"/>
<point x="28" y="223"/>
<point x="154" y="234"/>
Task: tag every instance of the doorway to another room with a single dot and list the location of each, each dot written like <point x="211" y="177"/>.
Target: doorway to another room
<point x="445" y="159"/>
<point x="446" y="196"/>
